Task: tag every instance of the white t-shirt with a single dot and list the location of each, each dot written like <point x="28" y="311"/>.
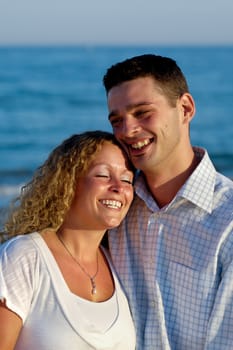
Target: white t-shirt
<point x="53" y="317"/>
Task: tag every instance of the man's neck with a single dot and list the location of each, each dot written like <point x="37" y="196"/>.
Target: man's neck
<point x="165" y="186"/>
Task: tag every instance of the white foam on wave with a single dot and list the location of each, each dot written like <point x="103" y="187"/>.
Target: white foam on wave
<point x="10" y="190"/>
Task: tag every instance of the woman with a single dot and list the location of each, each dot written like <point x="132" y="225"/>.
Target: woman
<point x="58" y="289"/>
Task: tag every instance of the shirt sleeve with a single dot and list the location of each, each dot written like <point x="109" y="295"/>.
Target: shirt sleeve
<point x="220" y="327"/>
<point x="17" y="275"/>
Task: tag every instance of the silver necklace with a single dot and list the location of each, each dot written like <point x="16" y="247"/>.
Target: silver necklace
<point x="91" y="278"/>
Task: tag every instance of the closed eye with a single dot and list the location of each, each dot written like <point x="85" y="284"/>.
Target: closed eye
<point x="128" y="181"/>
<point x="102" y="175"/>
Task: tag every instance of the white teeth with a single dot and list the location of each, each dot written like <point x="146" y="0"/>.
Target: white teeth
<point x="112" y="203"/>
<point x="140" y="144"/>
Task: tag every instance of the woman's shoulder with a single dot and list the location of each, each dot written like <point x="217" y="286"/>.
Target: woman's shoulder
<point x="20" y="246"/>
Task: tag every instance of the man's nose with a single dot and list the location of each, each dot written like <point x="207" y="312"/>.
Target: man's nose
<point x="130" y="127"/>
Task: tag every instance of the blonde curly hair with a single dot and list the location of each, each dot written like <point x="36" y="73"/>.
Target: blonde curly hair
<point x="45" y="200"/>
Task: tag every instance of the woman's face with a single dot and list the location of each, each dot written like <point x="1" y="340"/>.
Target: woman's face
<point x="104" y="193"/>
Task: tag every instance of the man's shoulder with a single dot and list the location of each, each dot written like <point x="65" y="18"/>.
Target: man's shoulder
<point x="224" y="184"/>
<point x="223" y="199"/>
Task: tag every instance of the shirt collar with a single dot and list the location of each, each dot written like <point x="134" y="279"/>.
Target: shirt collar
<point x="198" y="189"/>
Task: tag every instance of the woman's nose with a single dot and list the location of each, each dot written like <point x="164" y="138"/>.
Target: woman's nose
<point x="116" y="185"/>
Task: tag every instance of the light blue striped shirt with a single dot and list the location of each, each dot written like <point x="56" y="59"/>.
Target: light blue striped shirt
<point x="176" y="263"/>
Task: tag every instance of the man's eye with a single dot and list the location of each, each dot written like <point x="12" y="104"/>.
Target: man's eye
<point x="142" y="113"/>
<point x="115" y="121"/>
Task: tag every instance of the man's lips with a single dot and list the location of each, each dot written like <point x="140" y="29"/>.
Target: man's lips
<point x="139" y="145"/>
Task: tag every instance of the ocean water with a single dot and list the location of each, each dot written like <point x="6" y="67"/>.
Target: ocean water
<point x="50" y="93"/>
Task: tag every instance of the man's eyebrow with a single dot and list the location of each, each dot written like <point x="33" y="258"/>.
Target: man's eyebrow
<point x="128" y="108"/>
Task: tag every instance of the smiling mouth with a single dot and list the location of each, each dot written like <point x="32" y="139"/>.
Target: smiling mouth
<point x="141" y="144"/>
<point x="110" y="203"/>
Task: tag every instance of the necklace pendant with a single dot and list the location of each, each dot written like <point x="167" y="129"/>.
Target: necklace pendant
<point x="93" y="285"/>
<point x="93" y="291"/>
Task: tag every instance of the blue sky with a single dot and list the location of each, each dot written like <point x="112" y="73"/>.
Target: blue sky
<point x="116" y="22"/>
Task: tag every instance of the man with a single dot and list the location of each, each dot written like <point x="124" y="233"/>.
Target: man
<point x="174" y="252"/>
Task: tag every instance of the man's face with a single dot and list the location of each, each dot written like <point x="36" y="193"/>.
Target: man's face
<point x="146" y="123"/>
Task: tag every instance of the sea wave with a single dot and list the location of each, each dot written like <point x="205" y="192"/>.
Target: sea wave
<point x="10" y="190"/>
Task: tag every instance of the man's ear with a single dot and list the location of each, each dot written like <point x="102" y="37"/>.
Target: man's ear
<point x="188" y="107"/>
